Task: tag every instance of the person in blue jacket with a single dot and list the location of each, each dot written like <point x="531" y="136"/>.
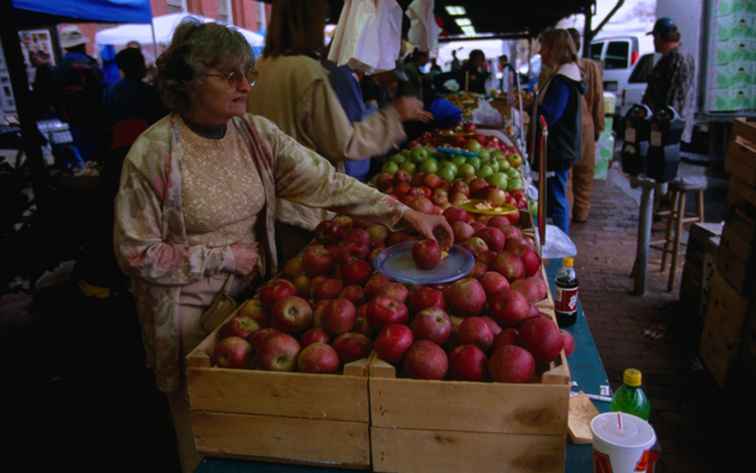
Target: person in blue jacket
<point x="560" y="104"/>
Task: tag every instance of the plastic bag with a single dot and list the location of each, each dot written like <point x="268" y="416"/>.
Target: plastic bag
<point x="368" y="35"/>
<point x="558" y="244"/>
<point x="424" y="30"/>
<point x="486" y="115"/>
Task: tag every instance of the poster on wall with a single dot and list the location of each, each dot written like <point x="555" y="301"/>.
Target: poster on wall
<point x="37" y="49"/>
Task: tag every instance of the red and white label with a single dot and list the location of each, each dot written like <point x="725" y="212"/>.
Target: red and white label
<point x="566" y="300"/>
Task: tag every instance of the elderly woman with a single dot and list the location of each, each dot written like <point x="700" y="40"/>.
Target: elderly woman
<point x="198" y="198"/>
<point x="561" y="103"/>
<point x="293" y="91"/>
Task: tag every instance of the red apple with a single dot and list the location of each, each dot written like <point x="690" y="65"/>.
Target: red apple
<point x="292" y="315"/>
<point x="375" y="285"/>
<point x="425" y="360"/>
<point x="533" y="288"/>
<point x="402" y="176"/>
<point x="398" y="237"/>
<point x="361" y="324"/>
<point x="500" y="222"/>
<point x="514" y="217"/>
<point x="357" y="235"/>
<point x="432" y="181"/>
<point x="493" y="326"/>
<point x="511" y="232"/>
<point x="356" y="271"/>
<point x="278" y="352"/>
<point x="479" y="188"/>
<point x="402" y="188"/>
<point x="476" y="246"/>
<point x="457" y="199"/>
<point x="478" y="270"/>
<point x="511" y="364"/>
<point x="354" y="293"/>
<point x="422" y="204"/>
<point x="455" y="214"/>
<point x="314" y="335"/>
<point x="531" y="262"/>
<point x="493" y="237"/>
<point x="461" y="187"/>
<point x="425" y="297"/>
<point x="257" y="338"/>
<point x="477" y="226"/>
<point x="509" y="308"/>
<point x="293" y="267"/>
<point x="440" y="197"/>
<point x="496" y="197"/>
<point x="232" y="352"/>
<point x="510" y="265"/>
<point x="467" y="363"/>
<point x="432" y="324"/>
<point x="517" y="246"/>
<point x="327" y="231"/>
<point x="542" y="338"/>
<point x="384" y="181"/>
<point x="463" y="231"/>
<point x="239" y="326"/>
<point x="426" y="254"/>
<point x="534" y="312"/>
<point x="384" y="310"/>
<point x="569" y="342"/>
<point x="328" y="288"/>
<point x="493" y="283"/>
<point x="318" y="358"/>
<point x="303" y="285"/>
<point x="396" y="291"/>
<point x="352" y="249"/>
<point x="418" y="179"/>
<point x="475" y="331"/>
<point x="466" y="297"/>
<point x="508" y="336"/>
<point x="317" y="260"/>
<point x="253" y="309"/>
<point x="339" y="316"/>
<point x="392" y="342"/>
<point x="276" y="290"/>
<point x="352" y="346"/>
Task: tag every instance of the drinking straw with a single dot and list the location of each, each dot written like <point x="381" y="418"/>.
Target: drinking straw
<point x="619" y="421"/>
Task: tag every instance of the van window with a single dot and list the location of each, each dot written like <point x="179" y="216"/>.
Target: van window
<point x="596" y="51"/>
<point x="642" y="69"/>
<point x="617" y="55"/>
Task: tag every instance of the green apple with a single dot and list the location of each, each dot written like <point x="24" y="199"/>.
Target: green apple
<point x="429" y="166"/>
<point x="514" y="184"/>
<point x="485" y="155"/>
<point x="408" y="166"/>
<point x="503" y="164"/>
<point x="494" y="165"/>
<point x="467" y="170"/>
<point x="485" y="171"/>
<point x="499" y="179"/>
<point x="512" y="172"/>
<point x="447" y="173"/>
<point x="398" y="159"/>
<point x="419" y="155"/>
<point x="473" y="145"/>
<point x="459" y="160"/>
<point x="475" y="162"/>
<point x="498" y="154"/>
<point x="390" y="167"/>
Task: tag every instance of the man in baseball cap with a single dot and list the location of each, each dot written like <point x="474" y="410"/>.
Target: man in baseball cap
<point x="671" y="80"/>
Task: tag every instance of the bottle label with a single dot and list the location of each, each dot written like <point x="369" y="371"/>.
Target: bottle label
<point x="566" y="300"/>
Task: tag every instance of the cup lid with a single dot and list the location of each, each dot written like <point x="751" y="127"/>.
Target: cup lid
<point x="635" y="433"/>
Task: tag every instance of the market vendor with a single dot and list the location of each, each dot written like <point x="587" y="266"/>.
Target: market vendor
<point x="561" y="105"/>
<point x="198" y="199"/>
<point x="473" y="74"/>
<point x="293" y="91"/>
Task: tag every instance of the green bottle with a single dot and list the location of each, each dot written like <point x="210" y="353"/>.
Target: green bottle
<point x="630" y="398"/>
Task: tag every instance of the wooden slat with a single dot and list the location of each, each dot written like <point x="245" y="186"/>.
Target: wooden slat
<point x="741" y="193"/>
<point x="745" y="128"/>
<point x="741" y="161"/>
<point x="413" y="451"/>
<point x="319" y="442"/>
<point x="471" y="407"/>
<point x="333" y="397"/>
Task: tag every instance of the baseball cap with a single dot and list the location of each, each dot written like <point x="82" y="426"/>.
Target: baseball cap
<point x="663" y="25"/>
<point x="71" y="36"/>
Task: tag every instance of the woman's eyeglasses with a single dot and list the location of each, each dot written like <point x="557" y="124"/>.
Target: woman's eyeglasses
<point x="234" y="77"/>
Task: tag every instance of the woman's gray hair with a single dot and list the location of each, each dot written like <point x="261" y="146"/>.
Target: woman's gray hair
<point x="195" y="48"/>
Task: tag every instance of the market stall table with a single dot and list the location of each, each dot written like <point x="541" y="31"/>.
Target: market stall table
<point x="588" y="375"/>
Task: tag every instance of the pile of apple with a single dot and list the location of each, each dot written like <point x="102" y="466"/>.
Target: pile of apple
<point x="329" y="308"/>
<point x="430" y="194"/>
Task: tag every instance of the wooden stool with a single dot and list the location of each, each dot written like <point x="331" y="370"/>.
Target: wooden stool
<point x="676" y="218"/>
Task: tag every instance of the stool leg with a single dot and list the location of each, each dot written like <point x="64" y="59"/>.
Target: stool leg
<point x="701" y="215"/>
<point x="668" y="231"/>
<point x="676" y="244"/>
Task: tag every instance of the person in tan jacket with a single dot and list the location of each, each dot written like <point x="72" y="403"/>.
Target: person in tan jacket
<point x="293" y="91"/>
<point x="593" y="125"/>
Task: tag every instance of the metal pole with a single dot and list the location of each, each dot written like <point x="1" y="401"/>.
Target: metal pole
<point x="542" y="187"/>
<point x="19" y="82"/>
<point x="644" y="235"/>
<point x="587" y="33"/>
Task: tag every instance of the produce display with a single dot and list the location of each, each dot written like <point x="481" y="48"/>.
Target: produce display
<point x="452" y="168"/>
<point x="328" y="308"/>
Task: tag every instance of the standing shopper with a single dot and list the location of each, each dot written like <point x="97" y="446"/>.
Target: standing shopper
<point x="198" y="200"/>
<point x="561" y="106"/>
<point x="671" y="80"/>
<point x="293" y="91"/>
<point x="593" y="125"/>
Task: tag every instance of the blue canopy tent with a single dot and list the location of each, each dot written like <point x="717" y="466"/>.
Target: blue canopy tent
<point x="21" y="14"/>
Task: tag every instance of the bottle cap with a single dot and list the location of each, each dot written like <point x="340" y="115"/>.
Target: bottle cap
<point x="568" y="261"/>
<point x="632" y="377"/>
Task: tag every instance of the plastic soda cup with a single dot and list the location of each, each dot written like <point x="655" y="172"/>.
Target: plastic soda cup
<point x="622" y="443"/>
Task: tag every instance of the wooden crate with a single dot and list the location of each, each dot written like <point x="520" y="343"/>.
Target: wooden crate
<point x="741" y="194"/>
<point x="741" y="161"/>
<point x="737" y="251"/>
<point x="745" y="128"/>
<point x="455" y="426"/>
<point x="700" y="261"/>
<point x="723" y="328"/>
<point x="281" y="417"/>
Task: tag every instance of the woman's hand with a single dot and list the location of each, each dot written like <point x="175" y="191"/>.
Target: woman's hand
<point x="411" y="109"/>
<point x="245" y="258"/>
<point x="434" y="227"/>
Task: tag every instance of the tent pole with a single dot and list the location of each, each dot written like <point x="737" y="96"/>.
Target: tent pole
<point x="154" y="39"/>
<point x="31" y="136"/>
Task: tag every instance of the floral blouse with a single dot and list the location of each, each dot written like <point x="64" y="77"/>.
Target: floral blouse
<point x="151" y="241"/>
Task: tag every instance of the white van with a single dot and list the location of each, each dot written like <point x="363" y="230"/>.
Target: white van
<point x="619" y="54"/>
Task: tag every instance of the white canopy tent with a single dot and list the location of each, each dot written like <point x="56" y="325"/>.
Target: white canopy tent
<point x="163" y="31"/>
